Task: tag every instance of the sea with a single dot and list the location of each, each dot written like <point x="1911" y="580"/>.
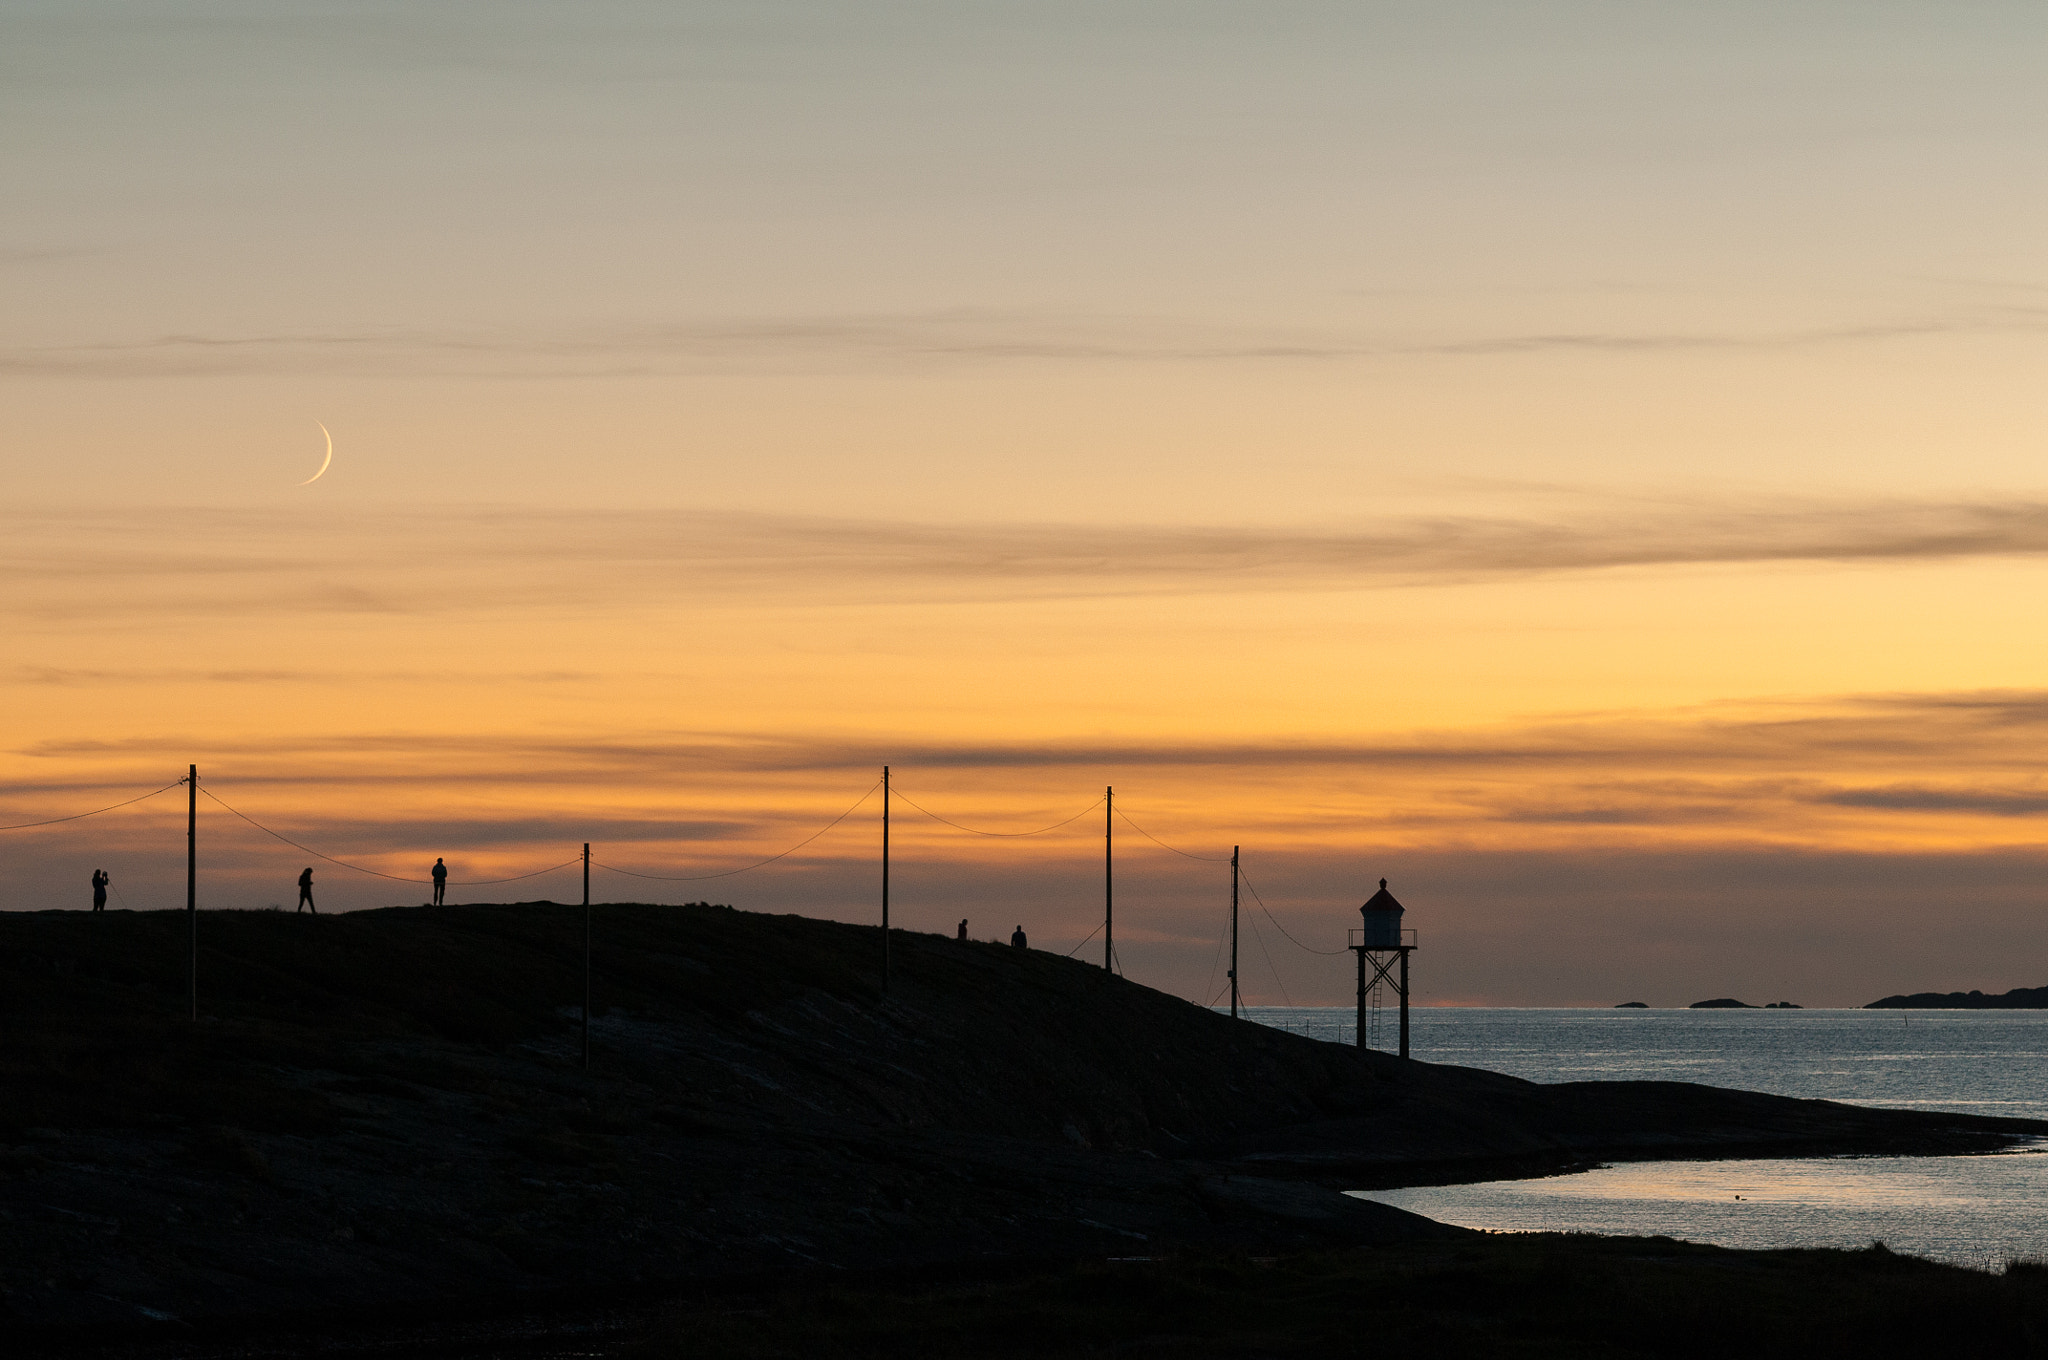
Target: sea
<point x="1980" y="1211"/>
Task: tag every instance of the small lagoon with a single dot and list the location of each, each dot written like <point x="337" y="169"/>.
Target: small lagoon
<point x="1974" y="1211"/>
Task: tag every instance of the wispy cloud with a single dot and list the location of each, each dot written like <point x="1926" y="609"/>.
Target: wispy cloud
<point x="964" y="335"/>
<point x="62" y="568"/>
<point x="80" y="677"/>
<point x="1768" y="770"/>
<point x="1909" y="798"/>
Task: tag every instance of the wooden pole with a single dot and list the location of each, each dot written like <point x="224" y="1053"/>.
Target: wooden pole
<point x="885" y="880"/>
<point x="1109" y="878"/>
<point x="1233" y="932"/>
<point x="586" y="956"/>
<point x="192" y="879"/>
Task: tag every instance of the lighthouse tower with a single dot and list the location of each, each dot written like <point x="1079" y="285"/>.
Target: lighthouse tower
<point x="1383" y="946"/>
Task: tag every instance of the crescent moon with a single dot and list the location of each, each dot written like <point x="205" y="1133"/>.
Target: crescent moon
<point x="325" y="461"/>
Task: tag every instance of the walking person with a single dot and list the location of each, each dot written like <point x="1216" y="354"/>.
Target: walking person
<point x="440" y="880"/>
<point x="100" y="880"/>
<point x="306" y="892"/>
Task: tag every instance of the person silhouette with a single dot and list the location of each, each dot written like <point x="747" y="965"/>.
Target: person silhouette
<point x="99" y="889"/>
<point x="440" y="880"/>
<point x="963" y="929"/>
<point x="1017" y="939"/>
<point x="306" y="892"/>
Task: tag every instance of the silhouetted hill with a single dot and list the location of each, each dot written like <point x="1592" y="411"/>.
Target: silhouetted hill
<point x="2018" y="999"/>
<point x="387" y="1108"/>
<point x="1721" y="1003"/>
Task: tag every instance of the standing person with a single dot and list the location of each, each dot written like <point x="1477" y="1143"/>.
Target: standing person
<point x="99" y="889"/>
<point x="306" y="892"/>
<point x="963" y="929"/>
<point x="440" y="880"/>
<point x="1017" y="939"/>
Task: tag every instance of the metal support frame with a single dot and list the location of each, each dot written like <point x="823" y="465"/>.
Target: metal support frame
<point x="1389" y="965"/>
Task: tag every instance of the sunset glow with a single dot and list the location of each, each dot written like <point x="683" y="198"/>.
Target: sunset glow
<point x="1603" y="497"/>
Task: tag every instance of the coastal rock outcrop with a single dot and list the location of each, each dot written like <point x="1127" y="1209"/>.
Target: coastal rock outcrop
<point x="389" y="1109"/>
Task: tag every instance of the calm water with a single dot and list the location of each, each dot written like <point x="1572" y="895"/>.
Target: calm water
<point x="1970" y="1210"/>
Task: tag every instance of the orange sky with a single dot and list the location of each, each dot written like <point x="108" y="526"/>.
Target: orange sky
<point x="1583" y="470"/>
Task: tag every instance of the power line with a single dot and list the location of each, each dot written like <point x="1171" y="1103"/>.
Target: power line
<point x="1269" y="960"/>
<point x="1283" y="929"/>
<point x="728" y="873"/>
<point x="23" y="826"/>
<point x="1091" y="935"/>
<point x="486" y="882"/>
<point x="975" y="831"/>
<point x="1210" y="859"/>
<point x="1216" y="958"/>
<point x="377" y="873"/>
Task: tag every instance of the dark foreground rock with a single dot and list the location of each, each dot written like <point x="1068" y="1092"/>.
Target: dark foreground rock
<point x="388" y="1110"/>
<point x="2018" y="999"/>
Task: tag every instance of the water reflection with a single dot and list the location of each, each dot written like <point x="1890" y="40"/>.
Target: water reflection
<point x="1973" y="1062"/>
<point x="1975" y="1211"/>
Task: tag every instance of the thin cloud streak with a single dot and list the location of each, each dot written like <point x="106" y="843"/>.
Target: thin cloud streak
<point x="61" y="567"/>
<point x="66" y="677"/>
<point x="1831" y="773"/>
<point x="985" y="336"/>
<point x="1907" y="798"/>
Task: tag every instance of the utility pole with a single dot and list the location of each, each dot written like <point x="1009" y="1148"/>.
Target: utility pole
<point x="586" y="956"/>
<point x="1233" y="932"/>
<point x="1109" y="878"/>
<point x="192" y="877"/>
<point x="885" y="880"/>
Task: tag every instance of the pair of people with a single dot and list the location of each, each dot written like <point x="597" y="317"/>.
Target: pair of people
<point x="306" y="887"/>
<point x="100" y="880"/>
<point x="1017" y="940"/>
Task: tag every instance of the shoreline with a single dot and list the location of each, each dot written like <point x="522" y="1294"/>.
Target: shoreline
<point x="385" y="1111"/>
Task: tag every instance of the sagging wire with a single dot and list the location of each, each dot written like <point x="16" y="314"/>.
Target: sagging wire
<point x="378" y="873"/>
<point x="1207" y="859"/>
<point x="1269" y="960"/>
<point x="897" y="791"/>
<point x="1216" y="959"/>
<point x="76" y="816"/>
<point x="728" y="873"/>
<point x="1283" y="929"/>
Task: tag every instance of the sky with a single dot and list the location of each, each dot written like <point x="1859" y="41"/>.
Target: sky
<point x="1578" y="461"/>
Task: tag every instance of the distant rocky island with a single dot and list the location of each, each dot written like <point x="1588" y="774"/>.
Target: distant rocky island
<point x="1729" y="1003"/>
<point x="2018" y="999"/>
<point x="1633" y="1006"/>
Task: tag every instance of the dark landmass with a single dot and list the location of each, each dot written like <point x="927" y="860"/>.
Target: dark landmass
<point x="1784" y="1006"/>
<point x="1723" y="1003"/>
<point x="2018" y="999"/>
<point x="1632" y="1006"/>
<point x="1531" y="1296"/>
<point x="385" y="1111"/>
